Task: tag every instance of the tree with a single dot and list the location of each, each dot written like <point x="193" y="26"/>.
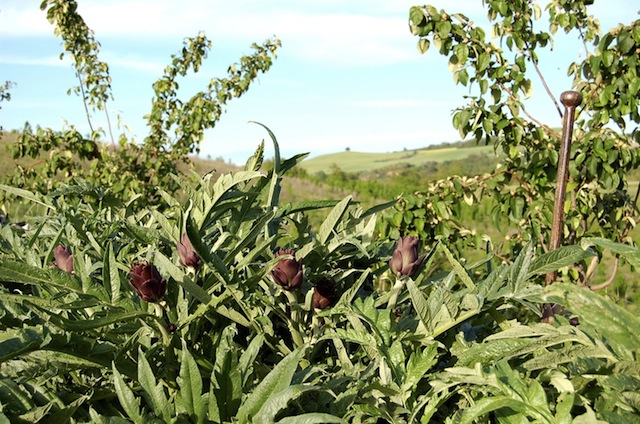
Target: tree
<point x="176" y="126"/>
<point x="521" y="190"/>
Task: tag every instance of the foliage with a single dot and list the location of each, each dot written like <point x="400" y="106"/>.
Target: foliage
<point x="5" y="95"/>
<point x="176" y="127"/>
<point x="522" y="187"/>
<point x="227" y="343"/>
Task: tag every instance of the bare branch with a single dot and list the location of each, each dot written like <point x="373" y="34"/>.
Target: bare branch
<point x="611" y="278"/>
<point x="84" y="102"/>
<point x="544" y="83"/>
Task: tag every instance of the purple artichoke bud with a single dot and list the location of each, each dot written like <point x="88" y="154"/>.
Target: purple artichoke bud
<point x="405" y="259"/>
<point x="288" y="272"/>
<point x="63" y="258"/>
<point x="147" y="282"/>
<point x="324" y="293"/>
<point x="187" y="255"/>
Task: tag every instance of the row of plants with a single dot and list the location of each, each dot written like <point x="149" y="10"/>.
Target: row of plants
<point x="227" y="308"/>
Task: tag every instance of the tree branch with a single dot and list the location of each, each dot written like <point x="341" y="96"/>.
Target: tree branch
<point x="611" y="278"/>
<point x="544" y="83"/>
<point x="84" y="102"/>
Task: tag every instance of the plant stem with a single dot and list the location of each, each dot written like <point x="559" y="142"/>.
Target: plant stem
<point x="84" y="102"/>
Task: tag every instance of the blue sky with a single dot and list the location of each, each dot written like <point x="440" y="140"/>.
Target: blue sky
<point x="348" y="74"/>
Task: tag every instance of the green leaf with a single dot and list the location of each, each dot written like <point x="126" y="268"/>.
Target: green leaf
<point x="276" y="381"/>
<point x="304" y="206"/>
<point x="27" y="195"/>
<point x="488" y="404"/>
<point x="617" y="326"/>
<point x="559" y="258"/>
<point x="20" y="272"/>
<point x="458" y="268"/>
<point x="26" y="340"/>
<point x="419" y="302"/>
<point x="419" y="363"/>
<point x="630" y="253"/>
<point x="190" y="383"/>
<point x="226" y="377"/>
<point x="328" y="226"/>
<point x="89" y="324"/>
<point x="248" y="357"/>
<point x="110" y="274"/>
<point x="365" y="339"/>
<point x="278" y="401"/>
<point x="519" y="269"/>
<point x="126" y="397"/>
<point x="276" y="147"/>
<point x="155" y="393"/>
<point x="311" y="418"/>
<point x="181" y="278"/>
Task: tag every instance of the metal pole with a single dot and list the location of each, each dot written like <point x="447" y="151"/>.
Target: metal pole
<point x="570" y="100"/>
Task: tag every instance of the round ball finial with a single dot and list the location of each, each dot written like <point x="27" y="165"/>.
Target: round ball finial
<point x="571" y="98"/>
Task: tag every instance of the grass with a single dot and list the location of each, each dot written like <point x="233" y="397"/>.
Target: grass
<point x="362" y="161"/>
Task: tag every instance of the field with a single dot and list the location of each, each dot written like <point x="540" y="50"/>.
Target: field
<point x="363" y="161"/>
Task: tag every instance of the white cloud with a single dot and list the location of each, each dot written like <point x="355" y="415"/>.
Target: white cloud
<point x="134" y="63"/>
<point x="23" y="19"/>
<point x="35" y="61"/>
<point x="334" y="33"/>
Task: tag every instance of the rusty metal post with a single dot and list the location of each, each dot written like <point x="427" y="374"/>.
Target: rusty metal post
<point x="570" y="100"/>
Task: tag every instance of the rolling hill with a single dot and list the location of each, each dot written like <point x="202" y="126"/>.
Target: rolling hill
<point x="349" y="161"/>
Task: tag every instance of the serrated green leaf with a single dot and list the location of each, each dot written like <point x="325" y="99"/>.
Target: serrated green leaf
<point x="311" y="418"/>
<point x="155" y="392"/>
<point x="126" y="397"/>
<point x="419" y="302"/>
<point x="248" y="357"/>
<point x="27" y="195"/>
<point x="226" y="376"/>
<point x="110" y="274"/>
<point x="332" y="220"/>
<point x="278" y="379"/>
<point x="520" y="269"/>
<point x="458" y="268"/>
<point x="181" y="278"/>
<point x="365" y="339"/>
<point x="190" y="383"/>
<point x="489" y="351"/>
<point x="88" y="324"/>
<point x="419" y="363"/>
<point x="630" y="253"/>
<point x="20" y="272"/>
<point x="619" y="327"/>
<point x="278" y="401"/>
<point x="559" y="258"/>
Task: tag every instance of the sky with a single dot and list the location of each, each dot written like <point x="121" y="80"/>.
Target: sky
<point x="348" y="74"/>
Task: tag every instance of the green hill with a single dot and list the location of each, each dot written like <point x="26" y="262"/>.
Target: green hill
<point x="360" y="161"/>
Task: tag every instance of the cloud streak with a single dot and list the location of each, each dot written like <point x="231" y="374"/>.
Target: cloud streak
<point x="339" y="35"/>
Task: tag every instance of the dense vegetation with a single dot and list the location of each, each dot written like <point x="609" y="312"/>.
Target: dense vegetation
<point x="175" y="298"/>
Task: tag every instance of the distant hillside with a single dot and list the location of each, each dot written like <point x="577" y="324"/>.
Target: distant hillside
<point x="359" y="161"/>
